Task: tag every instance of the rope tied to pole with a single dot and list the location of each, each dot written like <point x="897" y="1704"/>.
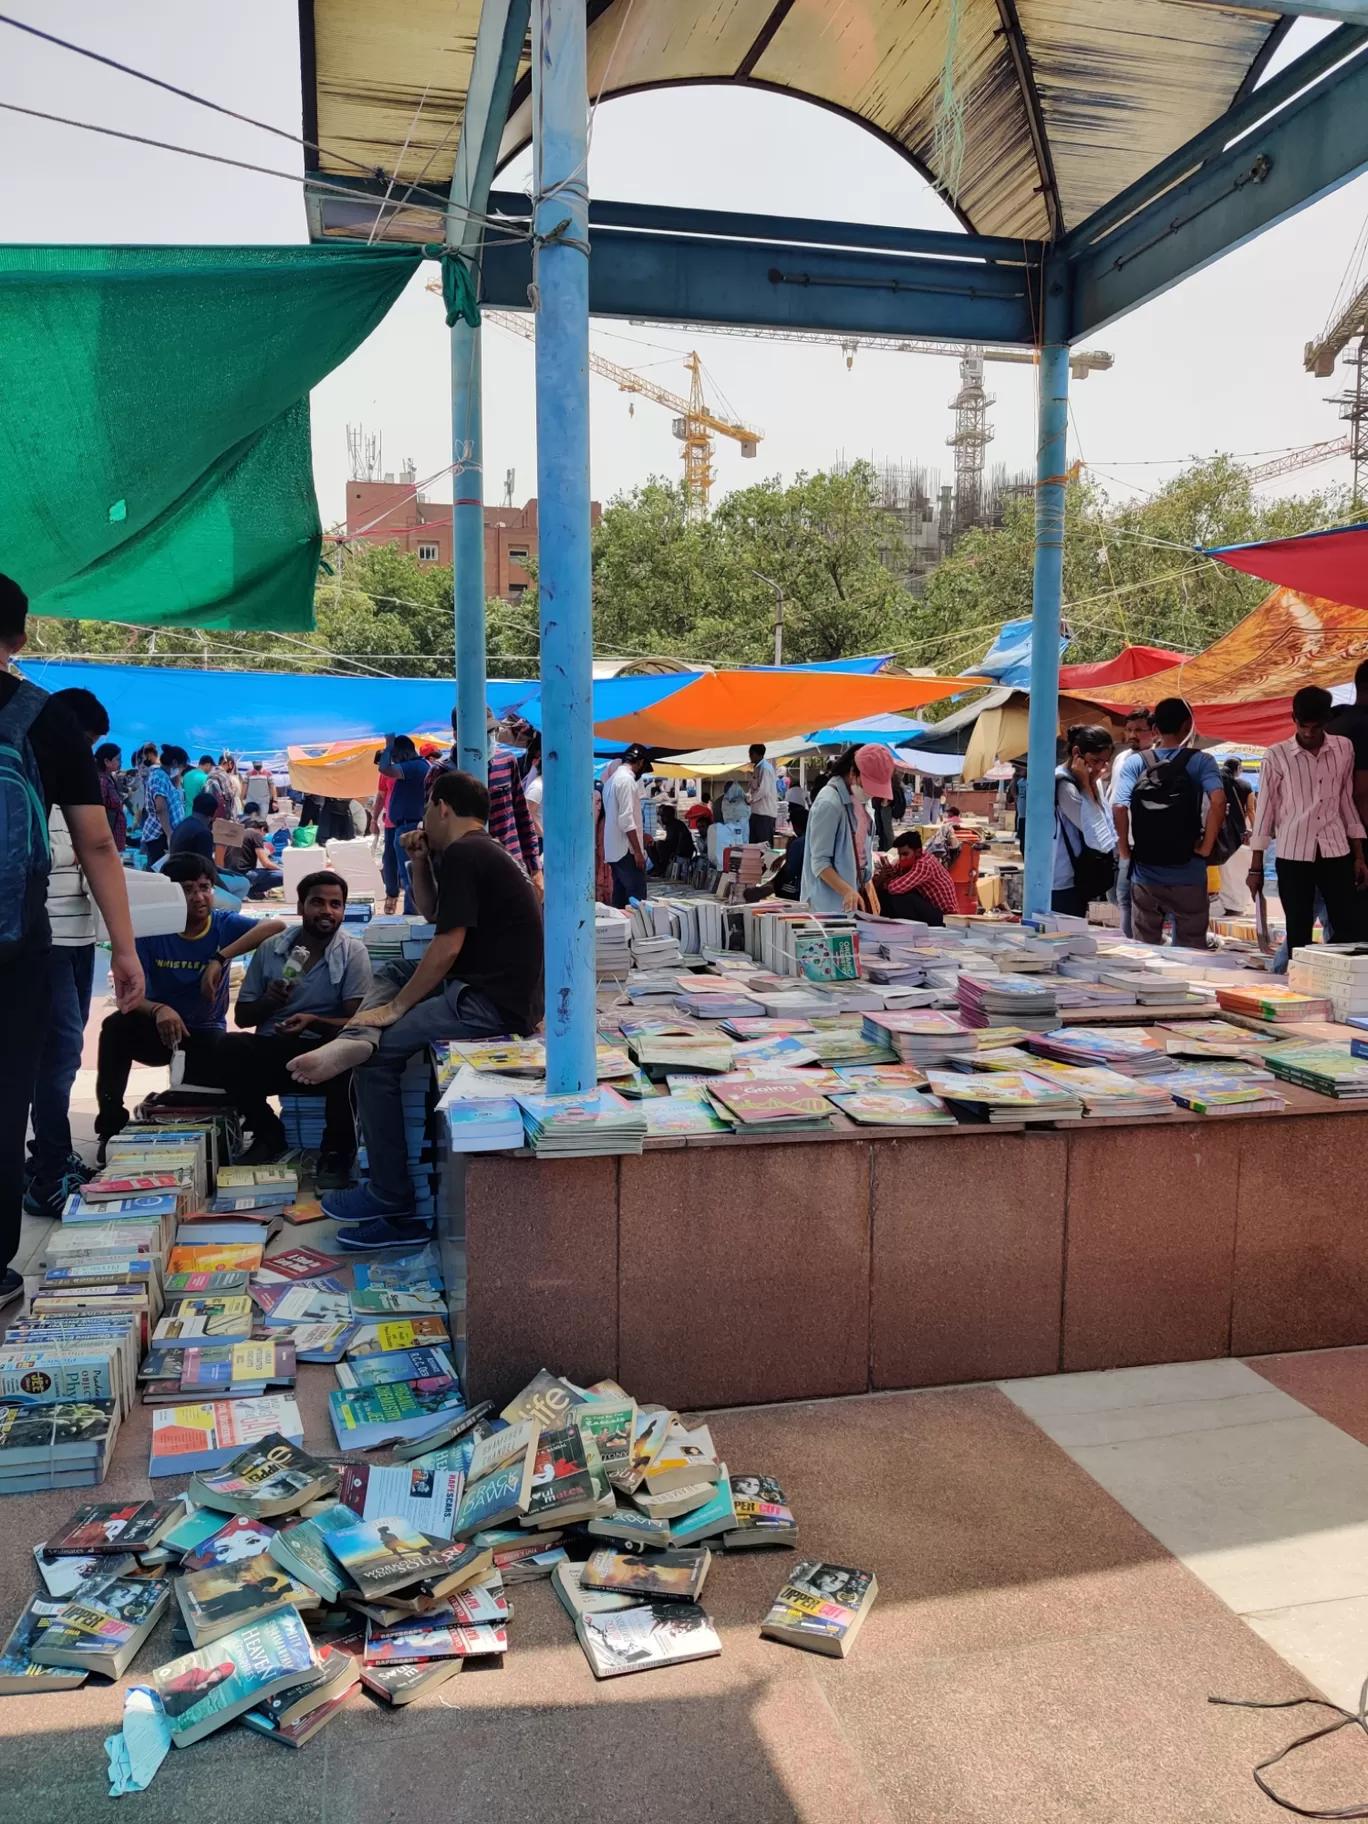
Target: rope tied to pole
<point x="458" y="286"/>
<point x="561" y="235"/>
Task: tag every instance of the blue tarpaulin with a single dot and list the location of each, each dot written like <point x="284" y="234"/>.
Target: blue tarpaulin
<point x="892" y="730"/>
<point x="1008" y="659"/>
<point x="262" y="712"/>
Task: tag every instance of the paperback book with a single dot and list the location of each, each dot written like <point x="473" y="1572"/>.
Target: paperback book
<point x="646" y="1637"/>
<point x="203" y="1690"/>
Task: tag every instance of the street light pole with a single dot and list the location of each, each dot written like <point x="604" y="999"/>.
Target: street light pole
<point x="778" y="615"/>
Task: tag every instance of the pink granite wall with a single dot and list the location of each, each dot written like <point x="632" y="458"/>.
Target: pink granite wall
<point x="740" y="1274"/>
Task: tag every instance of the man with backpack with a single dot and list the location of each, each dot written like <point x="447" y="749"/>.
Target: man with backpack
<point x="1165" y="832"/>
<point x="45" y="760"/>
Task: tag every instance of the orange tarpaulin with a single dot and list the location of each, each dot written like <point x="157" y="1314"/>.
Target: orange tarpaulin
<point x="1241" y="687"/>
<point x="727" y="707"/>
<point x="345" y="769"/>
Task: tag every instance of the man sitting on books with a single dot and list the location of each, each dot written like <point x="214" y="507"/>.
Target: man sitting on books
<point x="481" y="977"/>
<point x="299" y="987"/>
<point x="186" y="1000"/>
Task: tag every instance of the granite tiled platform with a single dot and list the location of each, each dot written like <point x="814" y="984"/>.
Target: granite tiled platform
<point x="742" y="1271"/>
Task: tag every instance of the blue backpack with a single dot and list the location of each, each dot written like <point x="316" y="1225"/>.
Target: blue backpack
<point x="25" y="853"/>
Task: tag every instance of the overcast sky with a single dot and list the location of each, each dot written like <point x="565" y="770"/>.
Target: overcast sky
<point x="1213" y="365"/>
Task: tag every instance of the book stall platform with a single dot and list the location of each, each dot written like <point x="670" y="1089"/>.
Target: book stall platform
<point x="828" y="1156"/>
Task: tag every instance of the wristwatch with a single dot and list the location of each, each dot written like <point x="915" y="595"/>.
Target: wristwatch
<point x="220" y="958"/>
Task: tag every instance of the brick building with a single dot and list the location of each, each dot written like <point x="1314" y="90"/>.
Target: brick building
<point x="390" y="513"/>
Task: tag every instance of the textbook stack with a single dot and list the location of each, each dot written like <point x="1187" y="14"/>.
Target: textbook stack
<point x="415" y="1088"/>
<point x="1331" y="1070"/>
<point x="1336" y="973"/>
<point x="612" y="929"/>
<point x="1007" y="1000"/>
<point x="920" y="1036"/>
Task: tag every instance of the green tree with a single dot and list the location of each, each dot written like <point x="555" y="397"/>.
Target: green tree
<point x="1133" y="573"/>
<point x="667" y="583"/>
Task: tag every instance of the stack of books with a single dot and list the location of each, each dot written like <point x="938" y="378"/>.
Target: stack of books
<point x="612" y="929"/>
<point x="1119" y="1048"/>
<point x="577" y="1126"/>
<point x="1331" y="1070"/>
<point x="769" y="1105"/>
<point x="1105" y="1092"/>
<point x="491" y="1124"/>
<point x="1213" y="1092"/>
<point x="893" y="1108"/>
<point x="920" y="1037"/>
<point x="1272" y="1002"/>
<point x="1004" y="1097"/>
<point x="1003" y="1000"/>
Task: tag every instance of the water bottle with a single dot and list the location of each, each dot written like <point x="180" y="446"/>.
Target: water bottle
<point x="296" y="962"/>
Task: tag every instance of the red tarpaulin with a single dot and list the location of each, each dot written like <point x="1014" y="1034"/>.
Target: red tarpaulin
<point x="1331" y="565"/>
<point x="1131" y="662"/>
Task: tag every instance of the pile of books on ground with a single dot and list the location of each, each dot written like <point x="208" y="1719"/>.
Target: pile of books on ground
<point x="292" y="1582"/>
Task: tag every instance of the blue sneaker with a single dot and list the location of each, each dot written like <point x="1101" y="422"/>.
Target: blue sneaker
<point x="359" y="1204"/>
<point x="50" y="1199"/>
<point x="382" y="1233"/>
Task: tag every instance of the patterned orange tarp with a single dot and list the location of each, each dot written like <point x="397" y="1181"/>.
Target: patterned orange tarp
<point x="1241" y="687"/>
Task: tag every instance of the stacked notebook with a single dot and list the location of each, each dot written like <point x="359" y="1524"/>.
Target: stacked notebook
<point x="919" y="1036"/>
<point x="1005" y="1097"/>
<point x="1119" y="1048"/>
<point x="577" y="1126"/>
<point x="1002" y="1000"/>
<point x="1331" y="1070"/>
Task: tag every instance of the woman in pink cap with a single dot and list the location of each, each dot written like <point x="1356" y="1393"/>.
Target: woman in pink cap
<point x="876" y="775"/>
<point x="838" y="853"/>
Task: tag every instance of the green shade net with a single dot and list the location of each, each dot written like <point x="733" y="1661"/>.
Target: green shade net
<point x="154" y="424"/>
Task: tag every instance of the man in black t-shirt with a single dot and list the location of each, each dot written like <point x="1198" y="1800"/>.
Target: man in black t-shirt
<point x="481" y="977"/>
<point x="66" y="776"/>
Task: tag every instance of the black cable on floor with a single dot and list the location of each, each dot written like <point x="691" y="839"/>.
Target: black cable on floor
<point x="1357" y="1719"/>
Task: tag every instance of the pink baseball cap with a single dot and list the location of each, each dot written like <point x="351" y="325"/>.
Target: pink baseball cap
<point x="876" y="770"/>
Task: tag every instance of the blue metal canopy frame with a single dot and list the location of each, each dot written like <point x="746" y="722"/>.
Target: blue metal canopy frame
<point x="1277" y="149"/>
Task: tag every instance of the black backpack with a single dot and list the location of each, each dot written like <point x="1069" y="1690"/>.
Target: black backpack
<point x="1233" y="833"/>
<point x="1166" y="811"/>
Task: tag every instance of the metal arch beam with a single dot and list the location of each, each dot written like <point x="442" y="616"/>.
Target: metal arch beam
<point x="493" y="71"/>
<point x="1302" y="154"/>
<point x="1244" y="114"/>
<point x="1024" y="70"/>
<point x="785" y="287"/>
<point x="1342" y="12"/>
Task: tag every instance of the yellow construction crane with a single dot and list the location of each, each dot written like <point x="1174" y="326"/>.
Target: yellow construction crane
<point x="694" y="424"/>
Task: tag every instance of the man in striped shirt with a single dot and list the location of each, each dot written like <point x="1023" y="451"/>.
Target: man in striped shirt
<point x="1306" y="801"/>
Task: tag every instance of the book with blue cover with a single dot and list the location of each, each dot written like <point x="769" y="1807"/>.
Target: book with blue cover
<point x="382" y="1370"/>
<point x="203" y="1690"/>
<point x="366" y="1418"/>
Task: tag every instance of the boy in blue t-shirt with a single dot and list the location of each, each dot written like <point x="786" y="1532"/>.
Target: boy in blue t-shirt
<point x="186" y="998"/>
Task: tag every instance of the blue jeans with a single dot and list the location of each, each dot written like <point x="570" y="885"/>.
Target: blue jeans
<point x="389" y="865"/>
<point x="1123" y="894"/>
<point x="455" y="1011"/>
<point x="401" y="866"/>
<point x="629" y="881"/>
<point x="71" y="968"/>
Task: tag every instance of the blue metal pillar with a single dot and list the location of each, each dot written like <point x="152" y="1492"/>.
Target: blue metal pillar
<point x="560" y="296"/>
<point x="467" y="548"/>
<point x="1047" y="592"/>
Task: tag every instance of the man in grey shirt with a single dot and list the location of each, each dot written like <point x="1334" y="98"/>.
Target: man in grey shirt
<point x="300" y="988"/>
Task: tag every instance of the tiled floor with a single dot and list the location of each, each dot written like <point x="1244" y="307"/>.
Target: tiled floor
<point x="1069" y="1568"/>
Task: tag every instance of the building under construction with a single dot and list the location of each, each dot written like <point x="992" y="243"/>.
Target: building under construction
<point x="927" y="517"/>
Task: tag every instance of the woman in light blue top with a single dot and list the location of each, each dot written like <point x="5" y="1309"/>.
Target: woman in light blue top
<point x="838" y="856"/>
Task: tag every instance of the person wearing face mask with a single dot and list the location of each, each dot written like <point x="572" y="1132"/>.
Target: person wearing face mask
<point x="838" y="854"/>
<point x="1085" y="836"/>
